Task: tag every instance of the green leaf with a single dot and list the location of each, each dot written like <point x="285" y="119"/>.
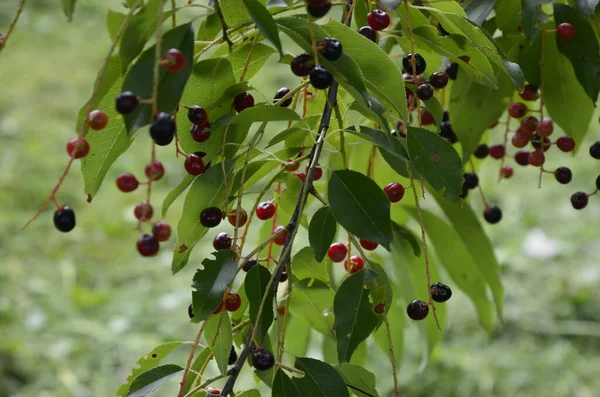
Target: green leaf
<point x="265" y="22"/>
<point x="405" y="234"/>
<point x="355" y="319"/>
<point x="384" y="141"/>
<point x="208" y="190"/>
<point x="533" y="16"/>
<point x="307" y="267"/>
<point x="468" y="98"/>
<point x="255" y="284"/>
<point x="208" y="30"/>
<point x="508" y="17"/>
<point x="265" y="113"/>
<point x="151" y="380"/>
<point x="283" y="386"/>
<point x="114" y="20"/>
<point x="175" y="193"/>
<point x="587" y="6"/>
<point x="217" y="332"/>
<point x="260" y="54"/>
<point x="360" y="206"/>
<point x="361" y="10"/>
<point x="211" y="283"/>
<point x="298" y="336"/>
<point x="360" y="378"/>
<point x="320" y="379"/>
<point x="321" y="233"/>
<point x="147" y="362"/>
<point x="250" y="393"/>
<point x="312" y="301"/>
<point x="435" y="108"/>
<point x="479" y="10"/>
<point x="234" y="11"/>
<point x="290" y="133"/>
<point x="567" y="103"/>
<point x="436" y="160"/>
<point x="139" y="30"/>
<point x="582" y="50"/>
<point x="171" y="85"/>
<point x="528" y="57"/>
<point x="68" y="8"/>
<point x="381" y="288"/>
<point x="197" y="365"/>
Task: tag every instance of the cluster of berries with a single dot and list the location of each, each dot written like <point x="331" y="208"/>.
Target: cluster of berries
<point x="306" y="65"/>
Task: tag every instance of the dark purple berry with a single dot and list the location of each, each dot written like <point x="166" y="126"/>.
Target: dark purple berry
<point x="492" y="214"/>
<point x="64" y="219"/>
<point x="417" y="310"/>
<point x="563" y="175"/>
<point x="440" y="292"/>
<point x="452" y="71"/>
<point x="163" y="129"/>
<point x="280" y="94"/>
<point x="369" y="33"/>
<point x="302" y="65"/>
<point x="127" y="102"/>
<point x="330" y="48"/>
<point x="198" y="115"/>
<point x="481" y="151"/>
<point x="579" y="200"/>
<point x="438" y="80"/>
<point x="320" y="78"/>
<point x="211" y="217"/>
<point x="471" y="180"/>
<point x="420" y="64"/>
<point x="262" y="359"/>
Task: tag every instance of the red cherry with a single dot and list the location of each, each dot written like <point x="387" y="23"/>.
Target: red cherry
<point x="517" y="110"/>
<point x="497" y="151"/>
<point x="220" y="307"/>
<point x="318" y="173"/>
<point x="213" y="391"/>
<point x="301" y="175"/>
<point x="337" y="252"/>
<point x="243" y="101"/>
<point x="354" y="265"/>
<point x="232" y="301"/>
<point x="97" y="120"/>
<point x="242" y="218"/>
<point x="529" y="124"/>
<point x="522" y="157"/>
<point x="173" y="61"/>
<point x="143" y="211"/>
<point x="565" y="143"/>
<point x="368" y="245"/>
<point x="565" y="31"/>
<point x="200" y="133"/>
<point x="147" y="245"/>
<point x="154" y="170"/>
<point x="280" y="239"/>
<point x="545" y="128"/>
<point x="394" y="191"/>
<point x="530" y="93"/>
<point x="161" y="230"/>
<point x="78" y="148"/>
<point x="127" y="182"/>
<point x="265" y="210"/>
<point x="520" y="139"/>
<point x="194" y="165"/>
<point x="427" y="117"/>
<point x="506" y="171"/>
<point x="290" y="165"/>
<point x="537" y="159"/>
<point x="378" y="19"/>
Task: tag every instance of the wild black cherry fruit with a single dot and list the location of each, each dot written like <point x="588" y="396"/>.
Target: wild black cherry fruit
<point x="537" y="159"/>
<point x="302" y="65"/>
<point x="64" y="219"/>
<point x="565" y="31"/>
<point x="355" y="264"/>
<point x="198" y="115"/>
<point x="249" y="264"/>
<point x="368" y="244"/>
<point x="420" y="64"/>
<point x="222" y="241"/>
<point x="163" y="129"/>
<point x="394" y="191"/>
<point x="232" y="302"/>
<point x="497" y="151"/>
<point x="262" y="359"/>
<point x="536" y="142"/>
<point x="417" y="310"/>
<point x="320" y="78"/>
<point x="78" y="148"/>
<point x="127" y="182"/>
<point x="517" y="110"/>
<point x="127" y="102"/>
<point x="530" y="93"/>
<point x="243" y="101"/>
<point x="378" y="19"/>
<point x="579" y="200"/>
<point x="280" y="239"/>
<point x="97" y="120"/>
<point x="452" y="71"/>
<point x="427" y="117"/>
<point x="280" y="94"/>
<point x="219" y="307"/>
<point x="506" y="171"/>
<point x="438" y="80"/>
<point x="284" y="277"/>
<point x="265" y="210"/>
<point x="563" y="175"/>
<point x="200" y="134"/>
<point x="194" y="165"/>
<point x="211" y="217"/>
<point x="241" y="218"/>
<point x="520" y="139"/>
<point x="481" y="151"/>
<point x="161" y="230"/>
<point x="595" y="150"/>
<point x="522" y="157"/>
<point x="545" y="128"/>
<point x="147" y="245"/>
<point x="529" y="124"/>
<point x="368" y="32"/>
<point x="447" y="132"/>
<point x="440" y="292"/>
<point x="232" y="357"/>
<point x="143" y="211"/>
<point x="565" y="143"/>
<point x="337" y="252"/>
<point x="598" y="182"/>
<point x="173" y="61"/>
<point x="424" y="92"/>
<point x="191" y="311"/>
<point x="154" y="170"/>
<point x="492" y="214"/>
<point x="318" y="8"/>
<point x="330" y="48"/>
<point x="471" y="180"/>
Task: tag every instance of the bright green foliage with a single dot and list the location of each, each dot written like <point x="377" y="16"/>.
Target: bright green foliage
<point x="321" y="232"/>
<point x="150" y="380"/>
<point x="218" y="336"/>
<point x="256" y="285"/>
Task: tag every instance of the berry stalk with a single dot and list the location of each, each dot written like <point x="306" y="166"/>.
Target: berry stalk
<point x="13" y="23"/>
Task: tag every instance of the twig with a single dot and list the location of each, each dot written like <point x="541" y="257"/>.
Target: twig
<point x="190" y="358"/>
<point x="157" y="56"/>
<point x="12" y="25"/>
<point x="202" y="386"/>
<point x="224" y="25"/>
<point x="392" y="355"/>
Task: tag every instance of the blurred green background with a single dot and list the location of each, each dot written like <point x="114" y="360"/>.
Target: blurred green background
<point x="77" y="310"/>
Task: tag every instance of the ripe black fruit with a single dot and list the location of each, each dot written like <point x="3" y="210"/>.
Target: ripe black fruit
<point x="163" y="129"/>
<point x="64" y="219"/>
<point x="595" y="150"/>
<point x="563" y="175"/>
<point x="481" y="151"/>
<point x="420" y="64"/>
<point x="283" y="91"/>
<point x="579" y="200"/>
<point x="198" y="115"/>
<point x="440" y="292"/>
<point x="211" y="217"/>
<point x="249" y="265"/>
<point x="262" y="359"/>
<point x="417" y="310"/>
<point x="191" y="311"/>
<point x="232" y="356"/>
<point x="471" y="180"/>
<point x="424" y="92"/>
<point x="302" y="65"/>
<point x="598" y="183"/>
<point x="492" y="214"/>
<point x="368" y="32"/>
<point x="330" y="48"/>
<point x="452" y="71"/>
<point x="438" y="80"/>
<point x="318" y="8"/>
<point x="446" y="131"/>
<point x="320" y="78"/>
<point x="127" y="102"/>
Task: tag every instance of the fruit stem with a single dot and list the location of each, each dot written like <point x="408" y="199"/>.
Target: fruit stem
<point x="196" y="389"/>
<point x="157" y="58"/>
<point x="12" y="25"/>
<point x="273" y="224"/>
<point x="340" y="120"/>
<point x="425" y="250"/>
<point x="174" y="14"/>
<point x="290" y="369"/>
<point x="392" y="355"/>
<point x="541" y="109"/>
<point x="485" y="203"/>
<point x="413" y="60"/>
<point x="190" y="358"/>
<point x="247" y="62"/>
<point x="224" y="25"/>
<point x="506" y="131"/>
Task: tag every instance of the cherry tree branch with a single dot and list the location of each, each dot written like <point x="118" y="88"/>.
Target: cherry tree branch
<point x="13" y="23"/>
